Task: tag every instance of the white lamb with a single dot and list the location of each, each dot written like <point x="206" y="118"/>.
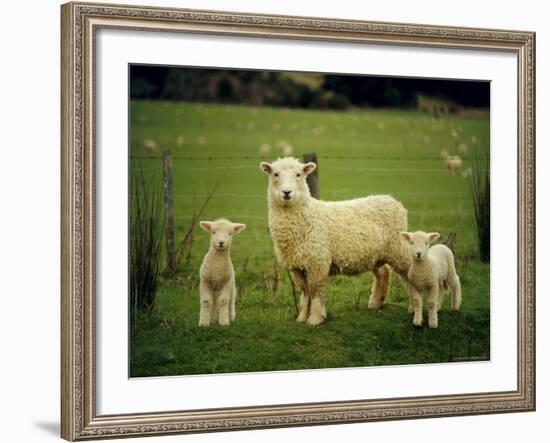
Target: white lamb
<point x="314" y="239"/>
<point x="217" y="285"/>
<point x="433" y="271"/>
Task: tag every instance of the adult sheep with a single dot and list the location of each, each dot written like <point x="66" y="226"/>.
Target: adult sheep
<point x="314" y="239"/>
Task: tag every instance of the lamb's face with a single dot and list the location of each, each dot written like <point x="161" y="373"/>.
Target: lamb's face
<point x="287" y="180"/>
<point x="419" y="243"/>
<point x="221" y="232"/>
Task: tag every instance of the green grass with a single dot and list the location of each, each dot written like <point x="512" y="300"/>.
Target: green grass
<point x="402" y="150"/>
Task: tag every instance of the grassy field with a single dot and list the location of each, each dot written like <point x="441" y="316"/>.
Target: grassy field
<point x="360" y="153"/>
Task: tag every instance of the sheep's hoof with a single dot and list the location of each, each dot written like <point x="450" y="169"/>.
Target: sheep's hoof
<point x="302" y="317"/>
<point x="375" y="305"/>
<point x="432" y="324"/>
<point x="203" y="324"/>
<point x="417" y="323"/>
<point x="315" y="320"/>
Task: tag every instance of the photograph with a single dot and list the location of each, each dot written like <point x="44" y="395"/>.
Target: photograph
<point x="286" y="220"/>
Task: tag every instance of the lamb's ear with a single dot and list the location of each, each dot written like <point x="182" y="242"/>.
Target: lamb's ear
<point x="309" y="168"/>
<point x="433" y="236"/>
<point x="266" y="167"/>
<point x="238" y="227"/>
<point x="206" y="225"/>
<point x="406" y="235"/>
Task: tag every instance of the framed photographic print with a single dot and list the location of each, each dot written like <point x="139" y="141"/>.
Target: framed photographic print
<point x="283" y="221"/>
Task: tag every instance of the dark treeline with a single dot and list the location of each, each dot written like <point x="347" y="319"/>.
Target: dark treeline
<point x="303" y="90"/>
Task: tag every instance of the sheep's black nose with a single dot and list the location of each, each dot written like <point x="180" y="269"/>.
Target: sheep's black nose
<point x="418" y="254"/>
<point x="286" y="194"/>
<point x="220" y="243"/>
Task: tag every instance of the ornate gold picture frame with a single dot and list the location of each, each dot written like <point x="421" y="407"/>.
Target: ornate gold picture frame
<point x="80" y="22"/>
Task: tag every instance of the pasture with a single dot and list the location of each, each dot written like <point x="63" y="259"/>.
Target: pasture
<point x="216" y="147"/>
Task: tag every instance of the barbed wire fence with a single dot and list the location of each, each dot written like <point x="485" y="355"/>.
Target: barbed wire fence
<point x="167" y="163"/>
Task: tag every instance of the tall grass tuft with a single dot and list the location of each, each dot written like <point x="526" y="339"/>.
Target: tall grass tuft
<point x="480" y="187"/>
<point x="146" y="228"/>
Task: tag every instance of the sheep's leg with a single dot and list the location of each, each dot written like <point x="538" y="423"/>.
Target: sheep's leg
<point x="316" y="283"/>
<point x="380" y="286"/>
<point x="232" y="298"/>
<point x="417" y="305"/>
<point x="223" y="303"/>
<point x="433" y="303"/>
<point x="305" y="306"/>
<point x="301" y="286"/>
<point x="454" y="283"/>
<point x="318" y="313"/>
<point x="207" y="304"/>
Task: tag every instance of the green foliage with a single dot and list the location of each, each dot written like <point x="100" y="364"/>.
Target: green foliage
<point x="338" y="101"/>
<point x="392" y="152"/>
<point x="146" y="223"/>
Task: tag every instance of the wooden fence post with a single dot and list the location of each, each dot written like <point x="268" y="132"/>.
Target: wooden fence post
<point x="313" y="178"/>
<point x="169" y="212"/>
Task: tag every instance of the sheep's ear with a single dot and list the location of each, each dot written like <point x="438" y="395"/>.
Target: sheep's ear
<point x="406" y="235"/>
<point x="433" y="236"/>
<point x="206" y="225"/>
<point x="309" y="168"/>
<point x="266" y="167"/>
<point x="238" y="227"/>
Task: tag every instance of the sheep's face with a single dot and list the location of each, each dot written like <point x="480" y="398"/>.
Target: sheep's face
<point x="419" y="243"/>
<point x="221" y="232"/>
<point x="287" y="180"/>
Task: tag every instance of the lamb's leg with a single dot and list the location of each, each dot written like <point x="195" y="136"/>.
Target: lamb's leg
<point x="380" y="286"/>
<point x="207" y="304"/>
<point x="417" y="305"/>
<point x="433" y="304"/>
<point x="232" y="298"/>
<point x="454" y="282"/>
<point x="299" y="281"/>
<point x="223" y="303"/>
<point x="442" y="292"/>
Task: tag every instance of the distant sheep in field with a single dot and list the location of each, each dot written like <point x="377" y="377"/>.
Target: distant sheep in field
<point x="463" y="148"/>
<point x="180" y="141"/>
<point x="288" y="151"/>
<point x="150" y="146"/>
<point x="468" y="172"/>
<point x="432" y="270"/>
<point x="452" y="162"/>
<point x="217" y="276"/>
<point x="314" y="239"/>
<point x="265" y="150"/>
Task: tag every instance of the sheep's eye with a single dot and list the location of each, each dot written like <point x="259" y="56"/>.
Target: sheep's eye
<point x="276" y="174"/>
<point x="411" y="243"/>
<point x="426" y="242"/>
<point x="298" y="175"/>
<point x="230" y="233"/>
<point x="213" y="232"/>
